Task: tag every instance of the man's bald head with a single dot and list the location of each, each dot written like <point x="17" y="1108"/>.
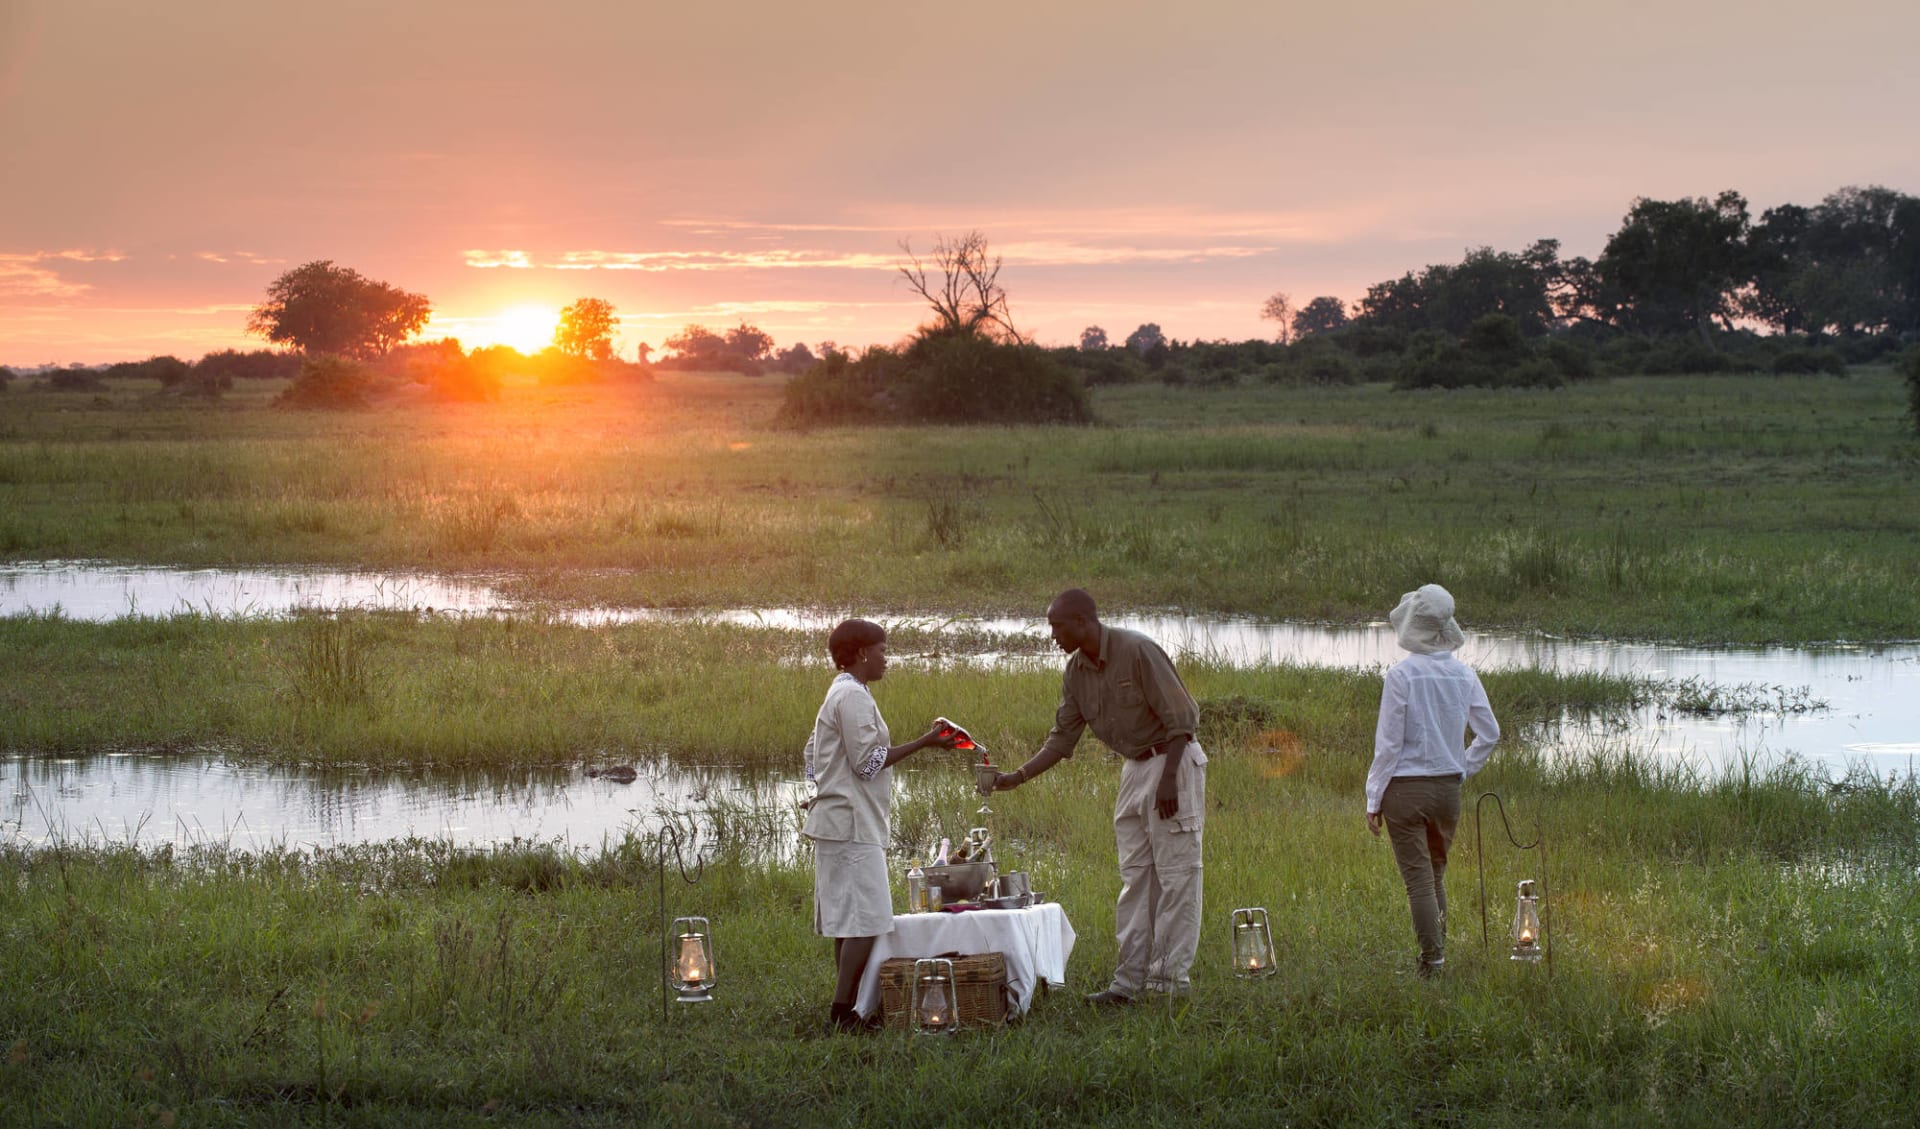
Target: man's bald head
<point x="1074" y="601"/>
<point x="1074" y="623"/>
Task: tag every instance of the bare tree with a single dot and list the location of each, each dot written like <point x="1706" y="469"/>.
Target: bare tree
<point x="968" y="298"/>
<point x="1279" y="310"/>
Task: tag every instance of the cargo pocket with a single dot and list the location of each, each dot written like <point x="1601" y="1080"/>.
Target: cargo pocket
<point x="1192" y="815"/>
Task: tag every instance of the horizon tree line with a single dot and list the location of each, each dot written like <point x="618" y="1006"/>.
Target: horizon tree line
<point x="1847" y="266"/>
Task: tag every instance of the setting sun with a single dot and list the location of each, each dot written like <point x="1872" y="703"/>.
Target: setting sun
<point x="526" y="328"/>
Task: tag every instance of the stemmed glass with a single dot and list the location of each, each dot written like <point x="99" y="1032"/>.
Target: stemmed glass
<point x="984" y="775"/>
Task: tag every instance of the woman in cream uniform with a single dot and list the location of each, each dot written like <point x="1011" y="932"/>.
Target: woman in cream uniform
<point x="850" y="761"/>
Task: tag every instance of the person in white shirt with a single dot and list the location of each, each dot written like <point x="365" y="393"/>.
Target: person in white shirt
<point x="849" y="760"/>
<point x="1428" y="703"/>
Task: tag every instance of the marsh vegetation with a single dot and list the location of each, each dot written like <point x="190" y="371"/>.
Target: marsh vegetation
<point x="1727" y="947"/>
<point x="1703" y="509"/>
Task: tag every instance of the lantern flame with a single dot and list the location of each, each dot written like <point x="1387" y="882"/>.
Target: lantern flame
<point x="692" y="960"/>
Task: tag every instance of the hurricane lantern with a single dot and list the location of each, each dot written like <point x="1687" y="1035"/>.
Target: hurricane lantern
<point x="1526" y="924"/>
<point x="1252" y="943"/>
<point x="935" y="997"/>
<point x="692" y="975"/>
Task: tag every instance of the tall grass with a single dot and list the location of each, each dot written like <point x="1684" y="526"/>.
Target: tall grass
<point x="1767" y="509"/>
<point x="410" y="689"/>
<point x="1711" y="964"/>
<point x="328" y="663"/>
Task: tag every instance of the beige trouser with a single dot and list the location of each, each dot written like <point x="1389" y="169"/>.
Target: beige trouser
<point x="1158" y="917"/>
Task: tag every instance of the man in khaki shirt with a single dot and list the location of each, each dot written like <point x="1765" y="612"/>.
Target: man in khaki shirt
<point x="1120" y="684"/>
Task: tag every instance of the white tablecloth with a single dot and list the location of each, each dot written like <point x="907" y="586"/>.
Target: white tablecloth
<point x="1036" y="941"/>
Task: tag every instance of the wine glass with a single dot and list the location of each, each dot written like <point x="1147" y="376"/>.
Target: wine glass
<point x="984" y="776"/>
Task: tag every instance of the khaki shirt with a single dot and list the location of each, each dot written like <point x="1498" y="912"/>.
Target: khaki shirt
<point x="1130" y="697"/>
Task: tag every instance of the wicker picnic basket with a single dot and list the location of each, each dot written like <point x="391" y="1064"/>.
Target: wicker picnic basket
<point x="981" y="980"/>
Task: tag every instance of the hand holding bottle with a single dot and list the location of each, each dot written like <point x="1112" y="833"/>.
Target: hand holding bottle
<point x="961" y="738"/>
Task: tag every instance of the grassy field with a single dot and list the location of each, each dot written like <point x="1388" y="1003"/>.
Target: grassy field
<point x="1733" y="953"/>
<point x="394" y="690"/>
<point x="1732" y="950"/>
<point x="1726" y="509"/>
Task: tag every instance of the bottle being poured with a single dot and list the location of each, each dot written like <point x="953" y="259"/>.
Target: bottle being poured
<point x="961" y="738"/>
<point x="984" y="774"/>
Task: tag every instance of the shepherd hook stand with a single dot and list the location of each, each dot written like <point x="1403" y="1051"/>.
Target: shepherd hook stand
<point x="669" y="835"/>
<point x="1540" y="844"/>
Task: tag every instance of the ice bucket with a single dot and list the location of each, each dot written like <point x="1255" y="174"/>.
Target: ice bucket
<point x="960" y="881"/>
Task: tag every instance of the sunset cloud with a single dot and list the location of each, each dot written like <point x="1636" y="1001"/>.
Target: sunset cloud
<point x="246" y="257"/>
<point x="1024" y="253"/>
<point x="486" y="260"/>
<point x="721" y="260"/>
<point x="1090" y="225"/>
<point x="31" y="275"/>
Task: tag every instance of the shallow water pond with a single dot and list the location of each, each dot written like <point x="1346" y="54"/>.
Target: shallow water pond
<point x="155" y="799"/>
<point x="1870" y="719"/>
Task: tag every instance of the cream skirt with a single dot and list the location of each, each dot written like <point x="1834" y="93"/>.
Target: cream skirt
<point x="852" y="896"/>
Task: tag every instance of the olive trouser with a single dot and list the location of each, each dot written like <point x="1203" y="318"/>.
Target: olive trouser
<point x="1421" y="813"/>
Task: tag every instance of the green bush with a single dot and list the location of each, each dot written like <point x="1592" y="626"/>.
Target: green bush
<point x="210" y="385"/>
<point x="1495" y="339"/>
<point x="1104" y="366"/>
<point x="1685" y="354"/>
<point x="1493" y="354"/>
<point x="75" y="380"/>
<point x="168" y="370"/>
<point x="260" y="364"/>
<point x="1808" y="362"/>
<point x="1573" y="359"/>
<point x="964" y="377"/>
<point x="1625" y="354"/>
<point x="1864" y="348"/>
<point x="1365" y="340"/>
<point x="839" y="389"/>
<point x="938" y="378"/>
<point x="1911" y="364"/>
<point x="1315" y="360"/>
<point x="331" y="383"/>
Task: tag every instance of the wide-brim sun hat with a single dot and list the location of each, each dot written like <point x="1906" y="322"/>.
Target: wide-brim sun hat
<point x="1423" y="621"/>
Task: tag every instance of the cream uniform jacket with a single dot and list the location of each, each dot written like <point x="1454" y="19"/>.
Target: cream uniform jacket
<point x="846" y="759"/>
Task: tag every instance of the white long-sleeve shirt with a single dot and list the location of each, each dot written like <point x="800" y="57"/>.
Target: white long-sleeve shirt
<point x="1427" y="704"/>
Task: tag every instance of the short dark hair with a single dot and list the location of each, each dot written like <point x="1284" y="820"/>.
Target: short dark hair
<point x="846" y="640"/>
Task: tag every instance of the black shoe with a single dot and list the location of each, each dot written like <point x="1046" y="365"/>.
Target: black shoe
<point x="843" y="1019"/>
<point x="1428" y="970"/>
<point x="1109" y="998"/>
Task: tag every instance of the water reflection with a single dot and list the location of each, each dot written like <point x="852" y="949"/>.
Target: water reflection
<point x="95" y="591"/>
<point x="1872" y="694"/>
<point x="151" y="800"/>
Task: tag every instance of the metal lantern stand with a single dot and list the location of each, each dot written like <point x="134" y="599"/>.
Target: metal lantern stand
<point x="671" y="987"/>
<point x="1539" y="844"/>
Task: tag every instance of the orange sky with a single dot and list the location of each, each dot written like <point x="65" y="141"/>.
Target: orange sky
<point x="1133" y="162"/>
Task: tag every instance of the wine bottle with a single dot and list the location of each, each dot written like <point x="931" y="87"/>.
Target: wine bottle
<point x="961" y="738"/>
